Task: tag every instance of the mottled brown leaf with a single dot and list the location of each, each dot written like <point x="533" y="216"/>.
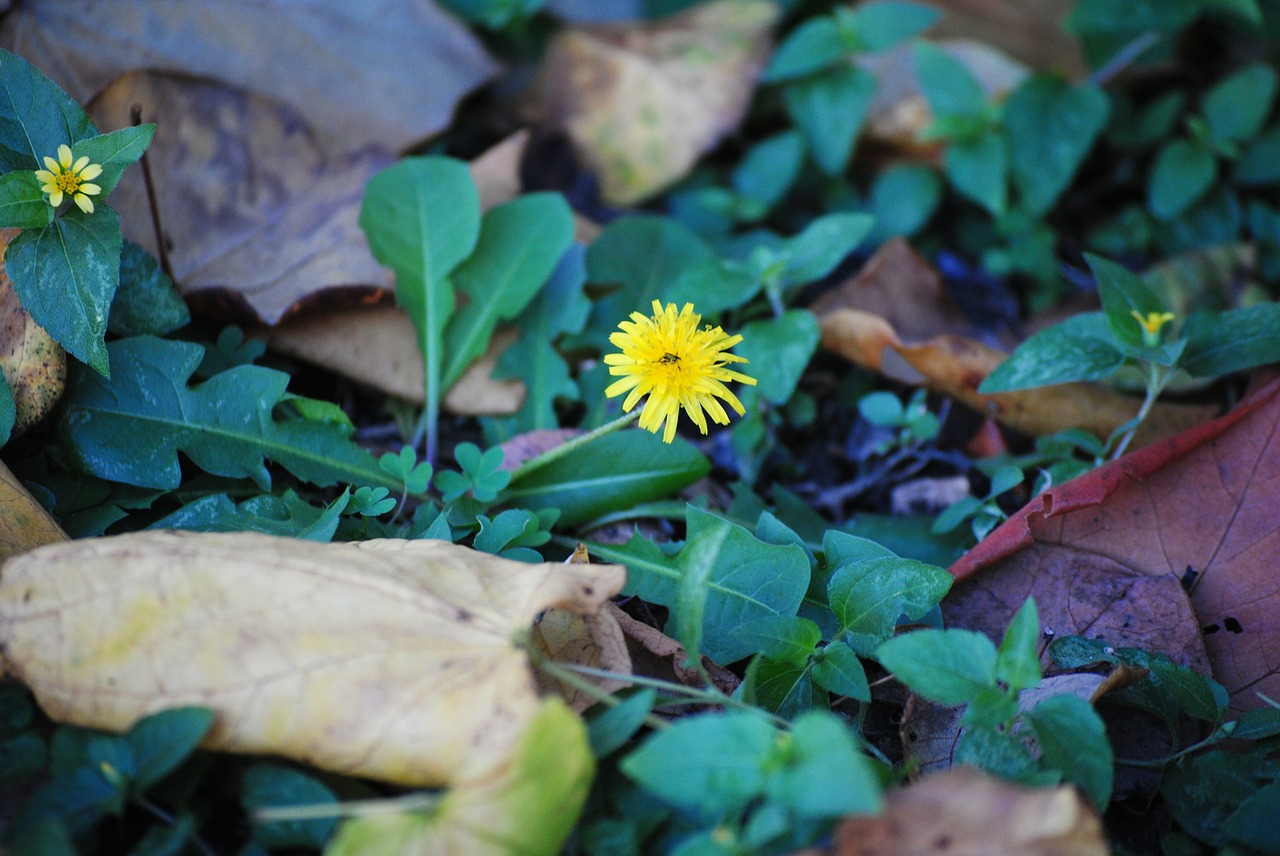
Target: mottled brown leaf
<point x="34" y="365"/>
<point x="24" y="524"/>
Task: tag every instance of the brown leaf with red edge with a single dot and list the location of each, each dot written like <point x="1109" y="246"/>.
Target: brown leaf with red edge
<point x="1105" y="554"/>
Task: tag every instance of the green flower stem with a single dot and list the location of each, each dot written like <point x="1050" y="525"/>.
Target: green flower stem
<point x="552" y="455"/>
<point x="1157" y="380"/>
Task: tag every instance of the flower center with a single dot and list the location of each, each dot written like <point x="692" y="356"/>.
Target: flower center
<point x="68" y="182"/>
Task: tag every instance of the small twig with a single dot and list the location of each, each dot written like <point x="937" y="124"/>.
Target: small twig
<point x="162" y="252"/>
<point x="1124" y="58"/>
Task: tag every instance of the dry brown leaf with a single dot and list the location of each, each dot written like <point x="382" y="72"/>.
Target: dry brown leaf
<point x="1104" y="554"/>
<point x="24" y="524"/>
<point x="642" y="101"/>
<point x="257" y="217"/>
<point x="397" y="660"/>
<point x="921" y="344"/>
<point x="364" y="73"/>
<point x="654" y="654"/>
<point x="965" y="812"/>
<point x="34" y="365"/>
<point x="1028" y="30"/>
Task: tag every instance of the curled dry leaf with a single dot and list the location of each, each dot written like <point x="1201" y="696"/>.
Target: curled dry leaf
<point x="656" y="655"/>
<point x="34" y="365"/>
<point x="24" y="524"/>
<point x="397" y="660"/>
<point x="642" y="101"/>
<point x="257" y="215"/>
<point x="365" y="73"/>
<point x="1108" y="553"/>
<point x="965" y="812"/>
<point x="894" y="317"/>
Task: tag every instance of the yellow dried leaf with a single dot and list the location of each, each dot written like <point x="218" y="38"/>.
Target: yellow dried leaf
<point x="397" y="660"/>
<point x="32" y="362"/>
<point x="24" y="524"/>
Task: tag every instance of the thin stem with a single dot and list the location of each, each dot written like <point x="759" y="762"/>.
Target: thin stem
<point x="552" y="455"/>
<point x="1158" y="763"/>
<point x="169" y="820"/>
<point x="162" y="252"/>
<point x="420" y="801"/>
<point x="1124" y="57"/>
<point x="1156" y="382"/>
<point x="566" y="676"/>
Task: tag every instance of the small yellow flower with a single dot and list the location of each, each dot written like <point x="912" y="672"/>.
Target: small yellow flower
<point x="65" y="178"/>
<point x="1151" y="324"/>
<point x="668" y="358"/>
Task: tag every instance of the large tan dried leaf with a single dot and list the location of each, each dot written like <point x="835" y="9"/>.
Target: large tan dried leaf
<point x="24" y="524"/>
<point x="965" y="812"/>
<point x="34" y="365"/>
<point x="1108" y="550"/>
<point x="642" y="101"/>
<point x="397" y="660"/>
<point x="257" y="215"/>
<point x="894" y="317"/>
<point x="1028" y="30"/>
<point x="363" y="73"/>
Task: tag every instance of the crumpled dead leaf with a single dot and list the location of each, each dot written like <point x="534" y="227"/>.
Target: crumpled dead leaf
<point x="654" y="654"/>
<point x="1105" y="553"/>
<point x="397" y="660"/>
<point x="363" y="73"/>
<point x="34" y="365"/>
<point x="642" y="101"/>
<point x="257" y="216"/>
<point x="24" y="524"/>
<point x="920" y="343"/>
<point x="965" y="812"/>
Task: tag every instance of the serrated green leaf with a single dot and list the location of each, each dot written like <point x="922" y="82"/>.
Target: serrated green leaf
<point x="1018" y="660"/>
<point x="1051" y="126"/>
<point x="615" y="472"/>
<point x="519" y="246"/>
<point x="36" y="116"/>
<point x="130" y="428"/>
<point x="778" y="351"/>
<point x="839" y="671"/>
<point x="1237" y="339"/>
<point x="868" y="597"/>
<point x="66" y="275"/>
<point x="947" y="666"/>
<point x="750" y="579"/>
<point x="1075" y="350"/>
<point x="22" y="204"/>
<point x="829" y="110"/>
<point x="1236" y="107"/>
<point x="786" y="638"/>
<point x="1073" y="741"/>
<point x="1183" y="172"/>
<point x="114" y="152"/>
<point x="710" y="762"/>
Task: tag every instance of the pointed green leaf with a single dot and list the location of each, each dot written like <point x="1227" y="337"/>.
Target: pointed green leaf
<point x="1018" y="664"/>
<point x="839" y="671"/>
<point x="868" y="597"/>
<point x="1073" y="741"/>
<point x="1051" y="126"/>
<point x="162" y="741"/>
<point x="1236" y="107"/>
<point x="947" y="84"/>
<point x="1077" y="349"/>
<point x="947" y="666"/>
<point x="36" y="116"/>
<point x="22" y="205"/>
<point x="114" y="152"/>
<point x="979" y="170"/>
<point x="781" y="637"/>
<point x="1123" y="293"/>
<point x="1183" y="172"/>
<point x="829" y="110"/>
<point x="1222" y="342"/>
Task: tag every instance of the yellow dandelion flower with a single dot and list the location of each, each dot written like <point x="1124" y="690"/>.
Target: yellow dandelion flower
<point x="1151" y="324"/>
<point x="64" y="178"/>
<point x="668" y="358"/>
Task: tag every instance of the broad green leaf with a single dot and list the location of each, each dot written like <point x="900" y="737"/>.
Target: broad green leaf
<point x="66" y="276"/>
<point x="274" y="786"/>
<point x="823" y="244"/>
<point x="770" y="168"/>
<point x="1182" y="174"/>
<point x="1256" y="823"/>
<point x="903" y="198"/>
<point x="840" y="548"/>
<point x="422" y="218"/>
<point x="114" y="152"/>
<point x="1051" y="126"/>
<point x="611" y="728"/>
<point x="840" y="672"/>
<point x="826" y="774"/>
<point x="287" y="515"/>
<point x="1260" y="162"/>
<point x="1094" y="16"/>
<point x="612" y="473"/>
<point x="1123" y="293"/>
<point x="869" y="596"/>
<point x="750" y="579"/>
<point x="882" y="24"/>
<point x="1018" y="660"/>
<point x="44" y="836"/>
<point x="979" y="171"/>
<point x="36" y="116"/>
<point x="829" y="110"/>
<point x="997" y="752"/>
<point x="1077" y="349"/>
<point x="560" y="307"/>
<point x="947" y="84"/>
<point x="8" y="410"/>
<point x="781" y="637"/>
<point x="130" y="428"/>
<point x="1257" y="724"/>
<point x="1200" y="696"/>
<point x="710" y="762"/>
<point x="22" y="205"/>
<point x="1202" y="791"/>
<point x="715" y="285"/>
<point x="644" y="255"/>
<point x="696" y="563"/>
<point x="146" y="301"/>
<point x="782" y="688"/>
<point x="812" y="46"/>
<point x="1073" y="740"/>
<point x="519" y="246"/>
<point x="1236" y="107"/>
<point x="777" y="352"/>
<point x="946" y="666"/>
<point x="1237" y="339"/>
<point x="162" y="741"/>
